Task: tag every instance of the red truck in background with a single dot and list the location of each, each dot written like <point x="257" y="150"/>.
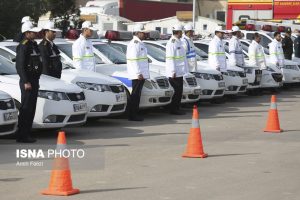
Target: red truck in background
<point x="239" y="10"/>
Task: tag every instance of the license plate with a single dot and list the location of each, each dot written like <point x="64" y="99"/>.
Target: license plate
<point x="80" y="107"/>
<point x="222" y="84"/>
<point x="168" y="93"/>
<point x="197" y="91"/>
<point x="120" y="97"/>
<point x="258" y="78"/>
<point x="245" y="81"/>
<point x="10" y="116"/>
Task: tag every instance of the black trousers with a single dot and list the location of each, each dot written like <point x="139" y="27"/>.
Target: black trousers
<point x="177" y="84"/>
<point x="135" y="97"/>
<point x="27" y="109"/>
<point x="288" y="56"/>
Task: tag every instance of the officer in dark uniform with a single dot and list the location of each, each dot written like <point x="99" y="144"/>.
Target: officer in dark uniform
<point x="52" y="65"/>
<point x="297" y="44"/>
<point x="29" y="68"/>
<point x="287" y="45"/>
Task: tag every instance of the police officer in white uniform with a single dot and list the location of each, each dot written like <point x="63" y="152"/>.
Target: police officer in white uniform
<point x="216" y="51"/>
<point x="236" y="57"/>
<point x="276" y="51"/>
<point x="138" y="70"/>
<point x="256" y="53"/>
<point x="189" y="47"/>
<point x="82" y="49"/>
<point x="176" y="67"/>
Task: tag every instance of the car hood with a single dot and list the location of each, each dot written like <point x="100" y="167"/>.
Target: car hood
<point x="46" y="83"/>
<point x="4" y="95"/>
<point x="75" y="75"/>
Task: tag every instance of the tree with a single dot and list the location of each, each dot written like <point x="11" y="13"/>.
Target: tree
<point x="12" y="11"/>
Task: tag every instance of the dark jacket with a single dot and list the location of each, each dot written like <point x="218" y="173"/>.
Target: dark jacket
<point x="297" y="47"/>
<point x="287" y="46"/>
<point x="52" y="65"/>
<point x="28" y="61"/>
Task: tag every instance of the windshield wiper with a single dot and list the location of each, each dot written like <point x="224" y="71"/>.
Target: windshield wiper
<point x="4" y="74"/>
<point x="119" y="62"/>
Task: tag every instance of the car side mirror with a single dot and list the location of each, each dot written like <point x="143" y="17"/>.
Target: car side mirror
<point x="13" y="60"/>
<point x="149" y="60"/>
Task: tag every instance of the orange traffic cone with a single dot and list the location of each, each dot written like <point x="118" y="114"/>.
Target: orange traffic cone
<point x="273" y="119"/>
<point x="194" y="147"/>
<point x="61" y="181"/>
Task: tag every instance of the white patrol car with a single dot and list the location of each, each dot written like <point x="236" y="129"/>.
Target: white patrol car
<point x="235" y="78"/>
<point x="59" y="104"/>
<point x="290" y="72"/>
<point x="8" y="114"/>
<point x="191" y="89"/>
<point x="211" y="80"/>
<point x="156" y="91"/>
<point x="104" y="95"/>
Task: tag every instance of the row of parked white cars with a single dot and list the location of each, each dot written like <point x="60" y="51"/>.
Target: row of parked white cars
<point x="79" y="94"/>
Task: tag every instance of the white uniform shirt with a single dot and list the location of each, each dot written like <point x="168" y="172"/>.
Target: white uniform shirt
<point x="83" y="55"/>
<point x="236" y="57"/>
<point x="216" y="54"/>
<point x="176" y="62"/>
<point x="189" y="47"/>
<point x="276" y="53"/>
<point x="137" y="59"/>
<point x="256" y="55"/>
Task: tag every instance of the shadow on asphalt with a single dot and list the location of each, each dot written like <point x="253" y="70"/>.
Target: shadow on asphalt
<point x="109" y="190"/>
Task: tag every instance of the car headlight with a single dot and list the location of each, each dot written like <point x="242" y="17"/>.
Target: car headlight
<point x="148" y="85"/>
<point x="231" y="73"/>
<point x="270" y="69"/>
<point x="154" y="84"/>
<point x="51" y="95"/>
<point x="93" y="86"/>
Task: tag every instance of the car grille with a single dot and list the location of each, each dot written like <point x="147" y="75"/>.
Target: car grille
<point x="277" y="77"/>
<point x="219" y="92"/>
<point x="207" y="92"/>
<point x="218" y="77"/>
<point x="76" y="96"/>
<point x="258" y="71"/>
<point x="164" y="99"/>
<point x="117" y="88"/>
<point x="191" y="81"/>
<point x="243" y="88"/>
<point x="7" y="104"/>
<point x="163" y="83"/>
<point x="242" y="74"/>
<point x="76" y="118"/>
<point x="7" y="128"/>
<point x="118" y="107"/>
<point x="193" y="96"/>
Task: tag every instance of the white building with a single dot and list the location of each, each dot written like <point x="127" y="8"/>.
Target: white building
<point x="204" y="26"/>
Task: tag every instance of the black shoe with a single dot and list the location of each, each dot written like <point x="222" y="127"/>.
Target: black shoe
<point x="177" y="112"/>
<point x="136" y="118"/>
<point x="26" y="140"/>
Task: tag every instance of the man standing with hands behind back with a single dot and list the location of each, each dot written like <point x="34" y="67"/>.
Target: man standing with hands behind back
<point x="138" y="70"/>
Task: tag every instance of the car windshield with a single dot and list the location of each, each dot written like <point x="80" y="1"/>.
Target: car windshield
<point x="155" y="52"/>
<point x="203" y="47"/>
<point x="111" y="53"/>
<point x="67" y="49"/>
<point x="13" y="48"/>
<point x="119" y="47"/>
<point x="7" y="67"/>
<point x="201" y="53"/>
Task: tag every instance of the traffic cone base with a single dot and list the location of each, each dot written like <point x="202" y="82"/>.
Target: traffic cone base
<point x="194" y="156"/>
<point x="63" y="193"/>
<point x="273" y="131"/>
